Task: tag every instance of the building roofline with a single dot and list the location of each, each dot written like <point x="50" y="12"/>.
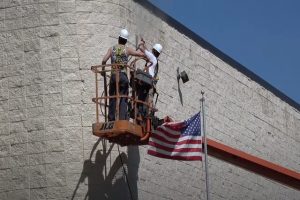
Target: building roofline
<point x="202" y="42"/>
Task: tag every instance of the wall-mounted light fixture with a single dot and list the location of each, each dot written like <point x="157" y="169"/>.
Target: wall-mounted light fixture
<point x="182" y="75"/>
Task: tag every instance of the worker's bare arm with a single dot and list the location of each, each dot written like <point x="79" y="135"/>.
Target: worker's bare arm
<point x="142" y="46"/>
<point x="105" y="59"/>
<point x="107" y="56"/>
<point x="133" y="52"/>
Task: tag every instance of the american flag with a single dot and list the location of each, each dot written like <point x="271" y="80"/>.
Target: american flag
<point x="177" y="140"/>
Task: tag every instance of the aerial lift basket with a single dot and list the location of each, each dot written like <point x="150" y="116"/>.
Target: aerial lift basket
<point x="136" y="129"/>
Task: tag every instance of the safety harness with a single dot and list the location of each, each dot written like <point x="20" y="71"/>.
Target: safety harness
<point x="119" y="56"/>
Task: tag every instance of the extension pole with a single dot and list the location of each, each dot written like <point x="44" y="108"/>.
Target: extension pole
<point x="205" y="147"/>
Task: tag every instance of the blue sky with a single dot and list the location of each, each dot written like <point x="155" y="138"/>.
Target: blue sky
<point x="262" y="35"/>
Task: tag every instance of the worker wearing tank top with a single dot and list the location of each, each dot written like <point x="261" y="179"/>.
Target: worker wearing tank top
<point x="119" y="55"/>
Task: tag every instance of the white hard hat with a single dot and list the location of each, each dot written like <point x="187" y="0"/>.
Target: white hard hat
<point x="124" y="34"/>
<point x="157" y="47"/>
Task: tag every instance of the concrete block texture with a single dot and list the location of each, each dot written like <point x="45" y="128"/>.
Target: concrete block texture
<point x="47" y="150"/>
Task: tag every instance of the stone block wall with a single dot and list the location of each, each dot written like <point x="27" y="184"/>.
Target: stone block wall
<point x="47" y="150"/>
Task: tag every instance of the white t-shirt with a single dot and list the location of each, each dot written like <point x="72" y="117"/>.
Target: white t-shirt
<point x="153" y="60"/>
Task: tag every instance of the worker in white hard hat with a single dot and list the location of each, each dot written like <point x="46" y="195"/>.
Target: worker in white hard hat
<point x="119" y="55"/>
<point x="152" y="56"/>
<point x="151" y="68"/>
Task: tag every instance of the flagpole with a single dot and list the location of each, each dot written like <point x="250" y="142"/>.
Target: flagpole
<point x="205" y="147"/>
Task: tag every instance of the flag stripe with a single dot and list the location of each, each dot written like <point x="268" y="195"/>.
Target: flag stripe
<point x="168" y="132"/>
<point x="183" y="140"/>
<point x="161" y="151"/>
<point x="159" y="134"/>
<point x="175" y="126"/>
<point x="191" y="143"/>
<point x="178" y="148"/>
<point x="154" y="153"/>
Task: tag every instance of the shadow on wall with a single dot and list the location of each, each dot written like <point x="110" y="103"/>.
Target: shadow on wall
<point x="110" y="183"/>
